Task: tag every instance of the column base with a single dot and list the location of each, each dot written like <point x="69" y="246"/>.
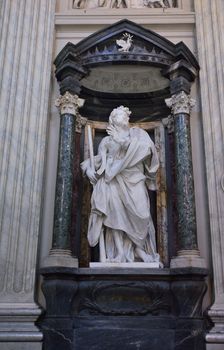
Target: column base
<point x="17" y="326"/>
<point x="60" y="258"/>
<point x="188" y="258"/>
<point x="216" y="313"/>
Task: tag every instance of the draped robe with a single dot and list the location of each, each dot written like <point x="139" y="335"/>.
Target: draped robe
<point x="120" y="199"/>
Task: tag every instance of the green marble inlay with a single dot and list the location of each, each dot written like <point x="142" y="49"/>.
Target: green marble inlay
<point x="64" y="184"/>
<point x="187" y="237"/>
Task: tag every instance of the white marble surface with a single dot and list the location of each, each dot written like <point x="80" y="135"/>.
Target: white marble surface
<point x="123" y="169"/>
<point x="209" y="26"/>
<point x="137" y="265"/>
<point x="25" y="68"/>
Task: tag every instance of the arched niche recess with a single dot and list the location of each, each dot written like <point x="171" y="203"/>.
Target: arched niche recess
<point x="142" y="75"/>
<point x="88" y="306"/>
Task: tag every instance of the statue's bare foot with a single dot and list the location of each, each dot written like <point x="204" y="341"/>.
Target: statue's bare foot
<point x="147" y="258"/>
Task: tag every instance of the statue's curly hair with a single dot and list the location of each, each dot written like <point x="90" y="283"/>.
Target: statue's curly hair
<point x="115" y="110"/>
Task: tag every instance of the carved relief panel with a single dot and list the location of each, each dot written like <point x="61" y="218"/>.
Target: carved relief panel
<point x="117" y="4"/>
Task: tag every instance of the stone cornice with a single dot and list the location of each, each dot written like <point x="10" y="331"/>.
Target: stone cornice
<point x="180" y="103"/>
<point x="82" y="17"/>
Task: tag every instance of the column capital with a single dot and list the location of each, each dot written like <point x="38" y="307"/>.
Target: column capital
<point x="69" y="103"/>
<point x="180" y="103"/>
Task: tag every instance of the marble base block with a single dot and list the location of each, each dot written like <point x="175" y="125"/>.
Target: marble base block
<point x="125" y="265"/>
<point x="216" y="334"/>
<point x="188" y="258"/>
<point x="60" y="257"/>
<point x="17" y="326"/>
<point x="214" y="346"/>
<point x="20" y="346"/>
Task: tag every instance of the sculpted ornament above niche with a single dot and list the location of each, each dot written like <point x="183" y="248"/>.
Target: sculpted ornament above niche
<point x="86" y="4"/>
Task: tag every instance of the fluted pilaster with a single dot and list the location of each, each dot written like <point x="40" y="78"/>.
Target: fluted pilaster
<point x="209" y="30"/>
<point x="25" y="68"/>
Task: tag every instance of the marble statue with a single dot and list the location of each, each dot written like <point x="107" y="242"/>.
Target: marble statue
<point x="86" y="4"/>
<point x="125" y="42"/>
<point x="121" y="174"/>
<point x="100" y="3"/>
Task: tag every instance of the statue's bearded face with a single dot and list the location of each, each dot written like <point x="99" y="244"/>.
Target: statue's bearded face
<point x="120" y="118"/>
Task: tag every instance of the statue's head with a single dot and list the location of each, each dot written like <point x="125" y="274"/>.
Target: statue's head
<point x="119" y="116"/>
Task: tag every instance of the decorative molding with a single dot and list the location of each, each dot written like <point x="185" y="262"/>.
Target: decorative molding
<point x="60" y="257"/>
<point x="180" y="103"/>
<point x="101" y="47"/>
<point x="140" y="16"/>
<point x="68" y="103"/>
<point x="156" y="299"/>
<point x="216" y="335"/>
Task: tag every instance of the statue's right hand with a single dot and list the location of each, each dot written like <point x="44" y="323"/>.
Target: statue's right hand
<point x="91" y="174"/>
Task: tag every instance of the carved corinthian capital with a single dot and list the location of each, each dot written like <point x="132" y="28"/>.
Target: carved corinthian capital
<point x="180" y="103"/>
<point x="69" y="103"/>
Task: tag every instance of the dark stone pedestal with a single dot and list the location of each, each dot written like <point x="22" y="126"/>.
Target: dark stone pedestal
<point x="123" y="309"/>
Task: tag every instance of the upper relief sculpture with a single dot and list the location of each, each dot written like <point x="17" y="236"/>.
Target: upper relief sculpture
<point x="121" y="173"/>
<point x="85" y="4"/>
<point x="125" y="42"/>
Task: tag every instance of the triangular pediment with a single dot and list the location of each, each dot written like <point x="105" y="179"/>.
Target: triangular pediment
<point x="123" y="64"/>
<point x="144" y="46"/>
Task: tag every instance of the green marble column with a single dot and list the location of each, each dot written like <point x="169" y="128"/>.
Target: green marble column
<point x="63" y="195"/>
<point x="188" y="253"/>
<point x="60" y="254"/>
<point x="187" y="239"/>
